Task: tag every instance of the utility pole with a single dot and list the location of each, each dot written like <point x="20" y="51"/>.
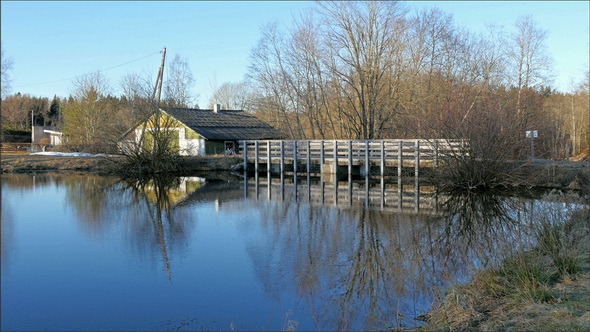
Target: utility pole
<point x="32" y="127"/>
<point x="160" y="79"/>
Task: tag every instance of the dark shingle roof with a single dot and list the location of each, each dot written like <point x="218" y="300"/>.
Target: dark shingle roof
<point x="225" y="124"/>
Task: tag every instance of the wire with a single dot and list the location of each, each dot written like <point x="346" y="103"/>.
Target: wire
<point x="98" y="71"/>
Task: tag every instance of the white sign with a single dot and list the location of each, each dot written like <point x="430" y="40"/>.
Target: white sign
<point x="532" y="134"/>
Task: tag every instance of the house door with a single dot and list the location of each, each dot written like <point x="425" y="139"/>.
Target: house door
<point x="230" y="147"/>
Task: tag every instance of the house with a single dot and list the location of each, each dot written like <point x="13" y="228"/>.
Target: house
<point x="46" y="135"/>
<point x="206" y="131"/>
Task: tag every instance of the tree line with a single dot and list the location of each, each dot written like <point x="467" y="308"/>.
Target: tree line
<point x="371" y="70"/>
<point x="358" y="70"/>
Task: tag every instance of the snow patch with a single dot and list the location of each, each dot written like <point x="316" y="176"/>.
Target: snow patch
<point x="67" y="154"/>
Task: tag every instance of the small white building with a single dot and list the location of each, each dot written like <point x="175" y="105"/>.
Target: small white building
<point x="54" y="137"/>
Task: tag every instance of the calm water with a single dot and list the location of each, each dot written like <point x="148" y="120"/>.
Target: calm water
<point x="95" y="253"/>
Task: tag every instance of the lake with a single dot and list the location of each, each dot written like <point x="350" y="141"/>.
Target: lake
<point x="86" y="252"/>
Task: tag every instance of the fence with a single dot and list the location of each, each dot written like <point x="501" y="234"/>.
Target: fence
<point x="351" y="153"/>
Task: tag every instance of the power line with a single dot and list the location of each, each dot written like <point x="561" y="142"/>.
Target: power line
<point x="77" y="76"/>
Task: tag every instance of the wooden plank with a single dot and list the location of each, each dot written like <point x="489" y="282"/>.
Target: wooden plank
<point x="399" y="158"/>
<point x="350" y="153"/>
<point x="256" y="156"/>
<point x="295" y="159"/>
<point x="308" y="162"/>
<point x="417" y="156"/>
<point x="245" y="152"/>
<point x="282" y="144"/>
<point x="382" y="158"/>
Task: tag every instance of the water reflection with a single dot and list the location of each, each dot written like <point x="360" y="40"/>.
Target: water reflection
<point x="337" y="255"/>
<point x="369" y="194"/>
<point x="377" y="260"/>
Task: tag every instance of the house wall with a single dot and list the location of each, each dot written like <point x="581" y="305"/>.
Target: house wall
<point x="187" y="146"/>
<point x="39" y="133"/>
<point x="55" y="139"/>
<point x="190" y="146"/>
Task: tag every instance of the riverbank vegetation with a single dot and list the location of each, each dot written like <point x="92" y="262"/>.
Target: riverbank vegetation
<point x="546" y="288"/>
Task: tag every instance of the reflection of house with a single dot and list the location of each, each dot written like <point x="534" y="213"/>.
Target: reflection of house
<point x="176" y="194"/>
<point x="199" y="131"/>
<point x="46" y="135"/>
<point x="193" y="189"/>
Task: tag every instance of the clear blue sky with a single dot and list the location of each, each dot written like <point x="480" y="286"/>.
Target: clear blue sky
<point x="50" y="41"/>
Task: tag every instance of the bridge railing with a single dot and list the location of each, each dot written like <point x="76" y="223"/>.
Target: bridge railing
<point x="352" y="151"/>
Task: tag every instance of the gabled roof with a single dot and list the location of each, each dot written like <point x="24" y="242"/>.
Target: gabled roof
<point x="224" y="125"/>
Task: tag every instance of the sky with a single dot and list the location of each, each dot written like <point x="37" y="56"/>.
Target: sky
<point x="52" y="42"/>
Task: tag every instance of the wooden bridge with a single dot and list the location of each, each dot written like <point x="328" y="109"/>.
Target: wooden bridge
<point x="357" y="156"/>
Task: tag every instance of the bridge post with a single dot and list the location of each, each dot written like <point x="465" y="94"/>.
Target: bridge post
<point x="268" y="162"/>
<point x="349" y="158"/>
<point x="400" y="160"/>
<point x="417" y="155"/>
<point x="322" y="157"/>
<point x="335" y="155"/>
<point x="295" y="158"/>
<point x="282" y="156"/>
<point x="367" y="160"/>
<point x="308" y="158"/>
<point x="269" y="159"/>
<point x="382" y="158"/>
<point x="256" y="156"/>
<point x="245" y="152"/>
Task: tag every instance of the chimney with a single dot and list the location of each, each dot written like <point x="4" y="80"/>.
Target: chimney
<point x="216" y="108"/>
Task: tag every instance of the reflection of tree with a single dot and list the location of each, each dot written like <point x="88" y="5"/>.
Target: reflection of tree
<point x="363" y="269"/>
<point x="145" y="205"/>
<point x="476" y="221"/>
<point x="157" y="194"/>
<point x="89" y="194"/>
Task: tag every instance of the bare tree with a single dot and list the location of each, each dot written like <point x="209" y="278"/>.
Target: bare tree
<point x="137" y="90"/>
<point x="179" y="83"/>
<point x="528" y="57"/>
<point x="366" y="42"/>
<point x="267" y="71"/>
<point x="6" y="65"/>
<point x="233" y="96"/>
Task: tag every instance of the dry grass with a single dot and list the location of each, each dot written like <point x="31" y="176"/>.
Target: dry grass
<point x="33" y="163"/>
<point x="545" y="289"/>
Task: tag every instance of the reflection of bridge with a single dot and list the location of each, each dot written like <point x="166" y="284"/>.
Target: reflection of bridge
<point x="390" y="197"/>
<point x="336" y="156"/>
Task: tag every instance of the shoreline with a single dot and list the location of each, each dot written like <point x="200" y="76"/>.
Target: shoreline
<point x="544" y="288"/>
<point x="102" y="165"/>
<point x="547" y="174"/>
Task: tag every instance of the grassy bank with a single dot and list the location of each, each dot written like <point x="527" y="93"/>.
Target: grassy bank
<point x="544" y="289"/>
<point x="112" y="166"/>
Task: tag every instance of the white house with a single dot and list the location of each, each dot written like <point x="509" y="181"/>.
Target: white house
<point x="206" y="131"/>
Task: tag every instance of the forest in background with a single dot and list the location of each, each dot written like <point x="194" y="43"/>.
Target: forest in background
<point x="354" y="70"/>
